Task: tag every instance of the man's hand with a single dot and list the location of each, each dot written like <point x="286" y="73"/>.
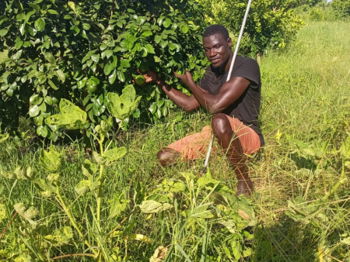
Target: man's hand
<point x="151" y="77"/>
<point x="185" y="78"/>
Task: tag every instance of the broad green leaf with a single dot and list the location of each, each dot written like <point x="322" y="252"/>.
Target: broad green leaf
<point x="50" y="58"/>
<point x="150" y="49"/>
<point x="61" y="236"/>
<point x="3" y="212"/>
<point x="117" y="206"/>
<point x="52" y="84"/>
<point x="71" y="4"/>
<point x="167" y="23"/>
<point x="95" y="58"/>
<point x="184" y="28"/>
<point x="70" y="116"/>
<point x="121" y="76"/>
<point x="39" y="24"/>
<point x="17" y="55"/>
<point x="89" y="168"/>
<point x="112" y="77"/>
<point x="151" y="206"/>
<point x="158" y="39"/>
<point x="34" y="111"/>
<point x="207" y="180"/>
<point x="18" y="43"/>
<point x="42" y="131"/>
<point x="246" y="211"/>
<point x="121" y="107"/>
<point x="114" y="154"/>
<point x="51" y="159"/>
<point x="47" y="188"/>
<point x="27" y="213"/>
<point x="22" y="28"/>
<point x="230" y="225"/>
<point x="92" y="82"/>
<point x="20" y="173"/>
<point x="201" y="212"/>
<point x="9" y="92"/>
<point x="3" y="32"/>
<point x="236" y="250"/>
<point x="61" y="75"/>
<point x="346" y="241"/>
<point x="140" y="80"/>
<point x="4" y="137"/>
<point x="83" y="186"/>
<point x="87" y="56"/>
<point x="108" y="54"/>
<point x="109" y="67"/>
<point x="86" y="26"/>
<point x="35" y="99"/>
<point x="147" y="33"/>
<point x="52" y="12"/>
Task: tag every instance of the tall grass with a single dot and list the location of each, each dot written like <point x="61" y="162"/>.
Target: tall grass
<point x="301" y="176"/>
<point x="305" y="119"/>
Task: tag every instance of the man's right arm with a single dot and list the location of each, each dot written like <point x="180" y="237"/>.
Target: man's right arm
<point x="187" y="103"/>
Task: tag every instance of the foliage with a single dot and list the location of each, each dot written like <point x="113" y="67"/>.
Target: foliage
<point x="203" y="214"/>
<point x="271" y="24"/>
<point x="86" y="51"/>
<point x="321" y="12"/>
<point x="86" y="221"/>
<point x="95" y="225"/>
<point x="341" y="7"/>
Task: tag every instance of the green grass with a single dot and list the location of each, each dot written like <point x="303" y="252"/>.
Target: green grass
<point x="301" y="177"/>
<point x="305" y="119"/>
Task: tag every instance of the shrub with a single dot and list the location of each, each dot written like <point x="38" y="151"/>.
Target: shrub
<point x="271" y="24"/>
<point x="84" y="50"/>
<point x="341" y="7"/>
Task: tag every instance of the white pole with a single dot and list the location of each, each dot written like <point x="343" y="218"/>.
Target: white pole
<point x="230" y="72"/>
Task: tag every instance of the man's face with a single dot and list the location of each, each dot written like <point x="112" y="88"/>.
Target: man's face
<point x="217" y="49"/>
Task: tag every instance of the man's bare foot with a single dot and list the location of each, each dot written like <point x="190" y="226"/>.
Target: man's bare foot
<point x="245" y="187"/>
<point x="167" y="156"/>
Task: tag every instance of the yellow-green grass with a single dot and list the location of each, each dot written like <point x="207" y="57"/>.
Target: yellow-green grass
<point x="305" y="119"/>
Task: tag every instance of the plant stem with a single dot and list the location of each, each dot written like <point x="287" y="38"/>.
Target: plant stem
<point x="98" y="197"/>
<point x="72" y="219"/>
<point x="68" y="213"/>
<point x="73" y="255"/>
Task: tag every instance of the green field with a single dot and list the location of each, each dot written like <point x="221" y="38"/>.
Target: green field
<point x="302" y="199"/>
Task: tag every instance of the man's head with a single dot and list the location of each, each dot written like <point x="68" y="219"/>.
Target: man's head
<point x="217" y="45"/>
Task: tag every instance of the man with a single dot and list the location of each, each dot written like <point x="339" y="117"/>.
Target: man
<point x="234" y="105"/>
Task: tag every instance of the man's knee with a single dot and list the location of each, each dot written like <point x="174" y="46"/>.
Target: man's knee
<point x="167" y="156"/>
<point x="220" y="124"/>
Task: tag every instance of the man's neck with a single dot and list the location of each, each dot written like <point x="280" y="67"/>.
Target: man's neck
<point x="224" y="68"/>
<point x="228" y="63"/>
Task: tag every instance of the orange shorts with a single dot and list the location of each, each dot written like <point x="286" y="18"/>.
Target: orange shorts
<point x="195" y="146"/>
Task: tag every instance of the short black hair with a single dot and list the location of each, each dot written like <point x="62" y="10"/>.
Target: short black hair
<point x="216" y="29"/>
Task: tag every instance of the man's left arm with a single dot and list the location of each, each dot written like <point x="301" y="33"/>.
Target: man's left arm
<point x="215" y="103"/>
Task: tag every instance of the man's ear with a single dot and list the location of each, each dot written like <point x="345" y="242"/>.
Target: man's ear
<point x="229" y="42"/>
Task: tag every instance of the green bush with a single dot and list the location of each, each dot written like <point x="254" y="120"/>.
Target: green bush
<point x="322" y="12"/>
<point x="341" y="7"/>
<point x="271" y="24"/>
<point x="83" y="50"/>
<point x="93" y="54"/>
